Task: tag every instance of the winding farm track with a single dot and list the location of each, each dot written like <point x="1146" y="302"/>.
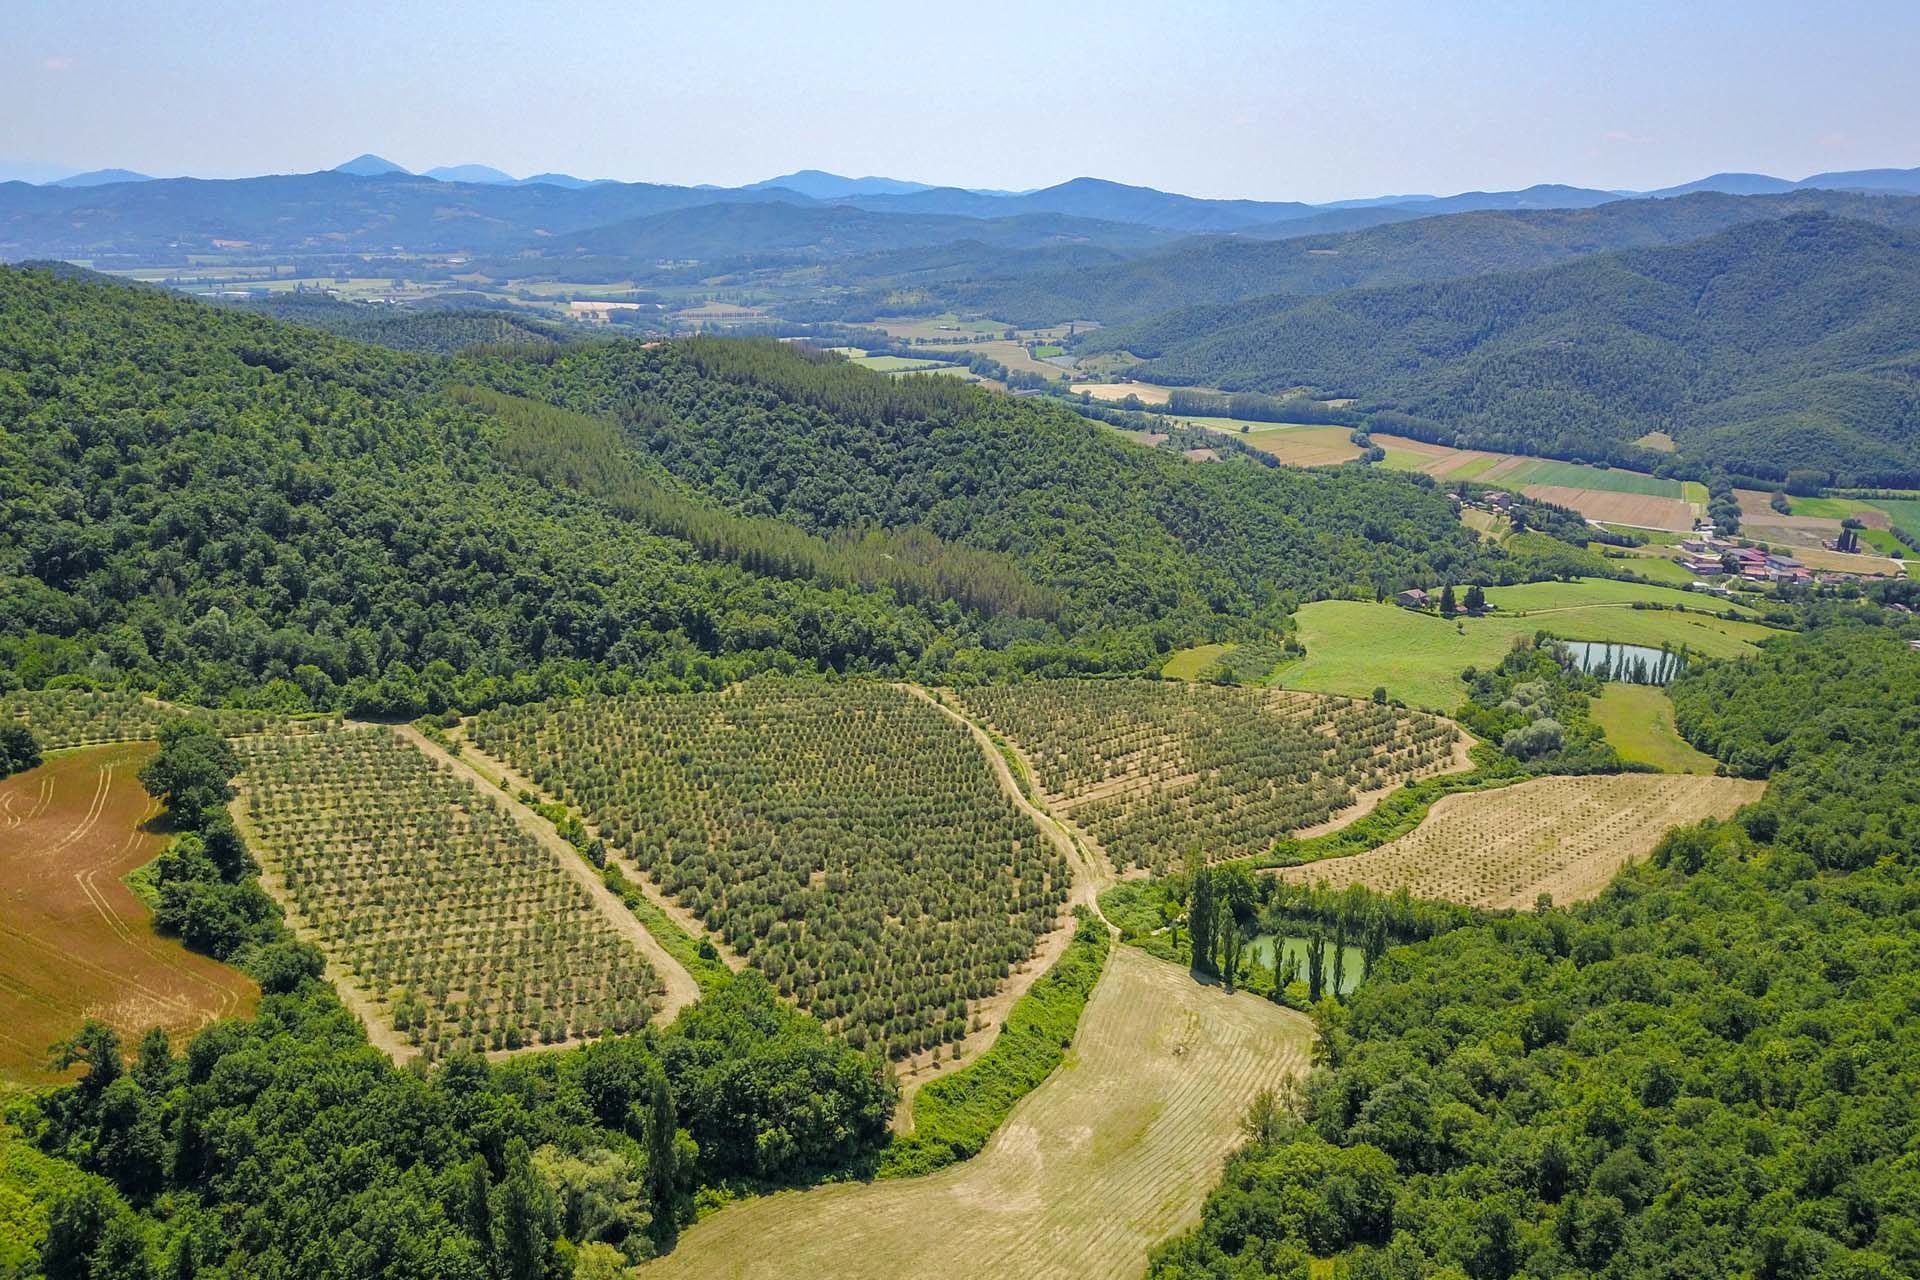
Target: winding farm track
<point x="1111" y="1155"/>
<point x="681" y="989"/>
<point x="74" y="940"/>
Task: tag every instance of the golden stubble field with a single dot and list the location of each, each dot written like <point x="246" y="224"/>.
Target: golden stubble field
<point x="1562" y="836"/>
<point x="1113" y="1154"/>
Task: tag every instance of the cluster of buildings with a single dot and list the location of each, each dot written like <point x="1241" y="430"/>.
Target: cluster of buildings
<point x="1708" y="557"/>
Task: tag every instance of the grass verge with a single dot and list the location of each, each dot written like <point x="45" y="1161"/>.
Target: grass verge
<point x="954" y="1115"/>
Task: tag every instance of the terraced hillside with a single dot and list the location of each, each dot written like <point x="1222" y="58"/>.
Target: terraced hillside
<point x="1155" y="770"/>
<point x="1562" y="836"/>
<point x="848" y="838"/>
<point x="453" y="927"/>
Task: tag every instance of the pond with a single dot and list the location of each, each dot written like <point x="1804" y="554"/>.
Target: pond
<point x="1628" y="663"/>
<point x="1262" y="948"/>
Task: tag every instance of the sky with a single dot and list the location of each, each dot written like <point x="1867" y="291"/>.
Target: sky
<point x="1289" y="99"/>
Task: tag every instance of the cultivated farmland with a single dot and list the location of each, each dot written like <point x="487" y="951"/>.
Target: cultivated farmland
<point x="77" y="718"/>
<point x="454" y="926"/>
<point x="1157" y="769"/>
<point x="1113" y="1154"/>
<point x="75" y="943"/>
<point x="849" y="839"/>
<point x="1562" y="836"/>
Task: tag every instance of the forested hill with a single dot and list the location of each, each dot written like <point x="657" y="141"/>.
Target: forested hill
<point x="224" y="508"/>
<point x="1221" y="270"/>
<point x="1772" y="345"/>
<point x="1123" y="533"/>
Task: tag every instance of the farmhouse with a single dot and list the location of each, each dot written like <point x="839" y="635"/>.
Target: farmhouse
<point x="1414" y="598"/>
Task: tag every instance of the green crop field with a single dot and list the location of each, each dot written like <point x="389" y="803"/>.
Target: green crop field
<point x="1638" y="721"/>
<point x="1189" y="663"/>
<point x="1156" y="769"/>
<point x="1905" y="514"/>
<point x="1574" y="475"/>
<point x="849" y="839"/>
<point x="895" y="364"/>
<point x="1534" y="597"/>
<point x="1355" y="646"/>
<point x="1657" y="567"/>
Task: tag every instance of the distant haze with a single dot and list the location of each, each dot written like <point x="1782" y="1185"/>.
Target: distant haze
<point x="1308" y="100"/>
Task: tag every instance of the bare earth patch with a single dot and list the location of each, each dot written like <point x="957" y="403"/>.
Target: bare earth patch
<point x="75" y="942"/>
<point x="1642" y="511"/>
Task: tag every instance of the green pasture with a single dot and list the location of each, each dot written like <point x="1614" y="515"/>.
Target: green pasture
<point x="1354" y="647"/>
<point x="1638" y="720"/>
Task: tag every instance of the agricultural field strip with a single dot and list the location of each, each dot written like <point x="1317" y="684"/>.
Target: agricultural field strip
<point x="63" y="718"/>
<point x="688" y="922"/>
<point x="680" y="988"/>
<point x="1566" y="836"/>
<point x="1090" y="879"/>
<point x="1107" y="1158"/>
<point x="432" y="902"/>
<point x="846" y="837"/>
<point x="1154" y="768"/>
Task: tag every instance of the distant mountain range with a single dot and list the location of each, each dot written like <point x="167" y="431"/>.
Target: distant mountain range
<point x="1089" y="197"/>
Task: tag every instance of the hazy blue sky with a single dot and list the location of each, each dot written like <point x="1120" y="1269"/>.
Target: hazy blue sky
<point x="1303" y="100"/>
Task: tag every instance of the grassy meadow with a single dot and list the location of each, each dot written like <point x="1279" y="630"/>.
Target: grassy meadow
<point x="1355" y="646"/>
<point x="1638" y="721"/>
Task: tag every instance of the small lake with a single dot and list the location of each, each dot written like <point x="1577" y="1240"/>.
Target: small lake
<point x="1628" y="663"/>
<point x="1263" y="946"/>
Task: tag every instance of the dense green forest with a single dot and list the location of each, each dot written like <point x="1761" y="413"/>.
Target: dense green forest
<point x="1770" y="346"/>
<point x="1708" y="1071"/>
<point x="1218" y="271"/>
<point x="221" y="508"/>
<point x="1123" y="535"/>
<point x="443" y="329"/>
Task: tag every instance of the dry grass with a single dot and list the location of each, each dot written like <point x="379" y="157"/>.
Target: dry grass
<point x="1563" y="836"/>
<point x="1642" y="511"/>
<point x="1110" y="1156"/>
<point x="1147" y="392"/>
<point x="75" y="942"/>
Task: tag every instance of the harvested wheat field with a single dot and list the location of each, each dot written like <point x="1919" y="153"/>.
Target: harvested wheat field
<point x="1563" y="836"/>
<point x="74" y="941"/>
<point x="1111" y="1155"/>
<point x="1640" y="510"/>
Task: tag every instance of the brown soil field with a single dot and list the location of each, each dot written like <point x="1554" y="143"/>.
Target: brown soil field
<point x="75" y="943"/>
<point x="1563" y="836"/>
<point x="1110" y="1156"/>
<point x="1638" y="509"/>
